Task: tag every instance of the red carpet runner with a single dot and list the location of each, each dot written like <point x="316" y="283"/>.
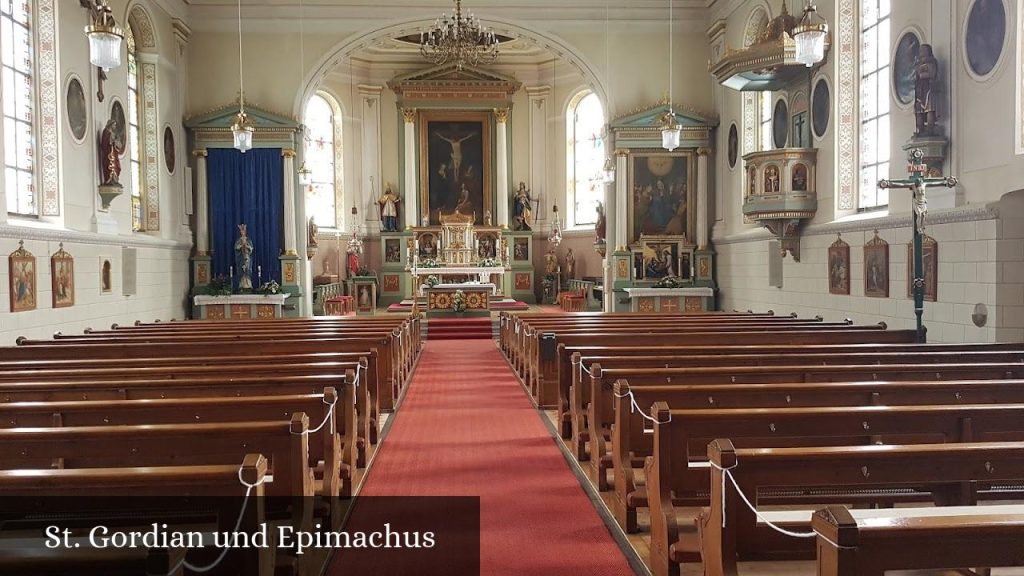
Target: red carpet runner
<point x="466" y="428"/>
<point x="472" y="328"/>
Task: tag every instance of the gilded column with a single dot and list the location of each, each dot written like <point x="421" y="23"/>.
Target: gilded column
<point x="621" y="202"/>
<point x="202" y="207"/>
<point x="289" y="202"/>
<point x="411" y="200"/>
<point x="501" y="119"/>
<point x="702" y="197"/>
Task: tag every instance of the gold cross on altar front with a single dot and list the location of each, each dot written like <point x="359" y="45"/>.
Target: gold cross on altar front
<point x="669" y="305"/>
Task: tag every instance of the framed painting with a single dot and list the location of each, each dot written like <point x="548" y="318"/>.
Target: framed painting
<point x="904" y="63"/>
<point x="931" y="268"/>
<point x="521" y="249"/>
<point x="839" y="268"/>
<point x="427" y="245"/>
<point x="455" y="164"/>
<point x="392" y="250"/>
<point x="734" y="145"/>
<point x="169" y="155"/>
<point x="487" y="245"/>
<point x="663" y="187"/>
<point x="985" y="36"/>
<point x="62" y="278"/>
<point x="23" y="288"/>
<point x="876" y="268"/>
<point x="106" y="276"/>
<point x="77" y="111"/>
<point x="780" y="123"/>
<point x="821" y="107"/>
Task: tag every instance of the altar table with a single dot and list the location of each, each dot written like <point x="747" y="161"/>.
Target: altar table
<point x="238" y="306"/>
<point x="478" y="299"/>
<point x="671" y="300"/>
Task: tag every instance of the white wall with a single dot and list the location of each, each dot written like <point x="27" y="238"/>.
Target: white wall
<point x="162" y="255"/>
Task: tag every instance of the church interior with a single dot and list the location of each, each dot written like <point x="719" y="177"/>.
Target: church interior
<point x="653" y="287"/>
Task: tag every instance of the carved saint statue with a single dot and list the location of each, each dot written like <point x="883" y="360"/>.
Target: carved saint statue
<point x="111" y="149"/>
<point x="601" y="228"/>
<point x="523" y="211"/>
<point x="926" y="73"/>
<point x="243" y="259"/>
<point x="570" y="265"/>
<point x="551" y="263"/>
<point x="311" y="232"/>
<point x="388" y="203"/>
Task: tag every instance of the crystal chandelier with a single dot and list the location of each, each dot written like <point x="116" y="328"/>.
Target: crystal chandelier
<point x="809" y="36"/>
<point x="104" y="35"/>
<point x="459" y="39"/>
<point x="555" y="238"/>
<point x="670" y="129"/>
<point x="242" y="128"/>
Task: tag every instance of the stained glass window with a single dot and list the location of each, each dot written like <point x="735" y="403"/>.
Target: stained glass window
<point x="17" y="84"/>
<point x="874" y="102"/>
<point x="321" y="159"/>
<point x="134" y="144"/>
<point x="585" y="158"/>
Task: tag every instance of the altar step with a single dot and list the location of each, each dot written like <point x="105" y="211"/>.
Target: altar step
<point x="459" y="328"/>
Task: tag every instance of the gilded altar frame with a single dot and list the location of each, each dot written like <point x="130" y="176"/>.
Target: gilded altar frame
<point x="643" y="155"/>
<point x="486" y="119"/>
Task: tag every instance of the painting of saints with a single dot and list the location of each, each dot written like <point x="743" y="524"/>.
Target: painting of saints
<point x="661" y="261"/>
<point x="456" y="162"/>
<point x="839" y="268"/>
<point x="661" y="189"/>
<point x="22" y="280"/>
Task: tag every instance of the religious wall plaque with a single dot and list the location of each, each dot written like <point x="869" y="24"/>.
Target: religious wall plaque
<point x="77" y="111"/>
<point x="839" y="268"/>
<point x="734" y="145"/>
<point x="780" y="124"/>
<point x="903" y="65"/>
<point x="169" y="153"/>
<point x="23" y="288"/>
<point x="62" y="278"/>
<point x="876" y="268"/>
<point x="821" y="107"/>
<point x="984" y="36"/>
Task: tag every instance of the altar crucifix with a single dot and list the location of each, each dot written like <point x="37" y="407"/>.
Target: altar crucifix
<point x="919" y="184"/>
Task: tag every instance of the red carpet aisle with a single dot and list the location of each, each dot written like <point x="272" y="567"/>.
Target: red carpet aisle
<point x="466" y="428"/>
<point x="472" y="328"/>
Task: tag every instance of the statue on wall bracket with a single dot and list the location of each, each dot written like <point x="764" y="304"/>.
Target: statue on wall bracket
<point x="928" y="136"/>
<point x="388" y="203"/>
<point x="522" y="216"/>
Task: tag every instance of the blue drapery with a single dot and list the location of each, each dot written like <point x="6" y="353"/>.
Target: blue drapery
<point x="246" y="189"/>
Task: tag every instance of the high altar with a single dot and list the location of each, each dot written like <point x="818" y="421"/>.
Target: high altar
<point x="460" y="256"/>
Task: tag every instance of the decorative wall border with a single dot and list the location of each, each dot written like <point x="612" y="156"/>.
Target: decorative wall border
<point x="15" y="232"/>
<point x="150" y="136"/>
<point x="848" y="22"/>
<point x="48" y="94"/>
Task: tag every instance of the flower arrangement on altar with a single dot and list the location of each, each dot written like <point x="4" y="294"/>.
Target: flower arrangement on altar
<point x="429" y="263"/>
<point x="488" y="263"/>
<point x="268" y="288"/>
<point x="432" y="281"/>
<point x="218" y="286"/>
<point x="670" y="282"/>
<point x="459" y="302"/>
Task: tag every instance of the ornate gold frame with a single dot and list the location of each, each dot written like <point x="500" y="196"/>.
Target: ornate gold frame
<point x="691" y="189"/>
<point x="486" y="120"/>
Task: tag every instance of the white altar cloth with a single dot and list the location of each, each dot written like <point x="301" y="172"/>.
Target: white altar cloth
<point x="494" y="288"/>
<point x="276" y="299"/>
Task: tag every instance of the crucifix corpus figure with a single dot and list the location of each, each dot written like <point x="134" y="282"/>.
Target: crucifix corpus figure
<point x="918" y="184"/>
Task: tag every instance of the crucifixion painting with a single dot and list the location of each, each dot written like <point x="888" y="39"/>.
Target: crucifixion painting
<point x="455" y="165"/>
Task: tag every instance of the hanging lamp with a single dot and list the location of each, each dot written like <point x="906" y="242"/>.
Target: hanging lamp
<point x="810" y="34"/>
<point x="104" y="35"/>
<point x="242" y="128"/>
<point x="670" y="128"/>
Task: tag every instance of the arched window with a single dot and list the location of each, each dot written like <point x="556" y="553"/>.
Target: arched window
<point x="134" y="143"/>
<point x="18" y="85"/>
<point x="323" y="158"/>
<point x="765" y="112"/>
<point x="874" y="102"/>
<point x="585" y="157"/>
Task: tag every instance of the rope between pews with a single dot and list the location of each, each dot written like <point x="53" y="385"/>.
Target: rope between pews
<point x="238" y="524"/>
<point x="634" y="408"/>
<point x="727" y="474"/>
<point x="329" y="417"/>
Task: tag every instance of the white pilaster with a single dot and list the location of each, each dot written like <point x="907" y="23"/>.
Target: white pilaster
<point x="621" y="202"/>
<point x="182" y="34"/>
<point x="609" y="231"/>
<point x="702" y="197"/>
<point x="289" y="202"/>
<point x="501" y="118"/>
<point x="202" y="207"/>
<point x="411" y="200"/>
<point x="539" y="115"/>
<point x="369" y="97"/>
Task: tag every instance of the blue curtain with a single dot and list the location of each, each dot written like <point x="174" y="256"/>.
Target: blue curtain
<point x="246" y="189"/>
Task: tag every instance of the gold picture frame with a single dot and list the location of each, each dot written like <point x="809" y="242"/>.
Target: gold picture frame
<point x="24" y="290"/>
<point x="839" y="268"/>
<point x="455" y="141"/>
<point x="62" y="278"/>
<point x="876" y="268"/>
<point x="661" y="217"/>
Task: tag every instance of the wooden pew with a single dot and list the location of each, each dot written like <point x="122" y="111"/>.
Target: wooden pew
<point x="729" y="532"/>
<point x="28" y="492"/>
<point x="978" y="537"/>
<point x="546" y="361"/>
<point x="334" y="446"/>
<point x="681" y="437"/>
<point x="601" y="382"/>
<point x="284" y="442"/>
<point x="568" y="370"/>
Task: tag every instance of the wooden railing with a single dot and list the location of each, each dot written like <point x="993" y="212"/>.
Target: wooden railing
<point x="323" y="292"/>
<point x="587" y="287"/>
